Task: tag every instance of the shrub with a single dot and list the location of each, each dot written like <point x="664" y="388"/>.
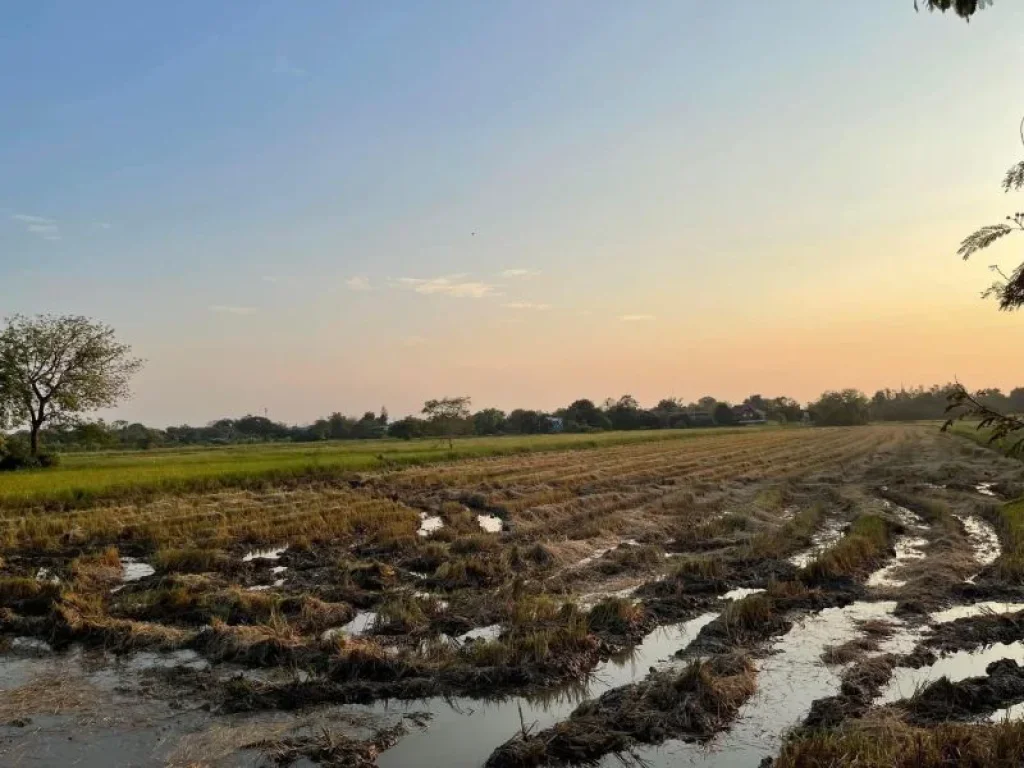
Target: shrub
<point x="17" y="459"/>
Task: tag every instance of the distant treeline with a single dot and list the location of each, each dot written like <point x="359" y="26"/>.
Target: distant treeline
<point x="832" y="408"/>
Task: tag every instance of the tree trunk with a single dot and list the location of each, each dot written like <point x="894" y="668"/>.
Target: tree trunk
<point x="34" y="439"/>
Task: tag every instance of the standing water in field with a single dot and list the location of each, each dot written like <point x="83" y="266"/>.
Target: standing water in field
<point x="264" y="554"/>
<point x="822" y="540"/>
<point x="983" y="539"/>
<point x="907" y="548"/>
<point x="464" y="732"/>
<point x="134" y="570"/>
<point x="975" y="609"/>
<point x="789" y="679"/>
<point x="490" y="523"/>
<point x="957" y="666"/>
<point x="429" y="524"/>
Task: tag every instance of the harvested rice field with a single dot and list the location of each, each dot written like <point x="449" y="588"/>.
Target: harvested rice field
<point x="801" y="596"/>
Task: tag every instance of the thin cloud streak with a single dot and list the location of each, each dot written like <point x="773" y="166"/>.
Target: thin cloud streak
<point x="359" y="283"/>
<point x="519" y="272"/>
<point x="39" y="225"/>
<point x="456" y="286"/>
<point x="226" y="309"/>
<point x="525" y="305"/>
<point x="635" y="318"/>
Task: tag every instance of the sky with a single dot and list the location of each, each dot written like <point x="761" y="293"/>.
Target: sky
<point x="300" y="208"/>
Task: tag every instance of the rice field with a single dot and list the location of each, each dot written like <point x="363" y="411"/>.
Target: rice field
<point x="85" y="477"/>
<point x="630" y="593"/>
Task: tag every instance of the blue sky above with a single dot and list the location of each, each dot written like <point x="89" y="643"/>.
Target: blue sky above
<point x="275" y="203"/>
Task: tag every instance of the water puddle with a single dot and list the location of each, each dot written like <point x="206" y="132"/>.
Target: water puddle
<point x="906" y="516"/>
<point x="596" y="555"/>
<point x="360" y="625"/>
<point x="908" y="548"/>
<point x="145" y="660"/>
<point x="1012" y="712"/>
<point x="265" y="587"/>
<point x="491" y="632"/>
<point x="437" y="602"/>
<point x="429" y="524"/>
<point x="957" y="666"/>
<point x="789" y="680"/>
<point x="599" y="553"/>
<point x="822" y="540"/>
<point x="985" y="489"/>
<point x="589" y="600"/>
<point x="31" y="645"/>
<point x="975" y="609"/>
<point x="134" y="570"/>
<point x="489" y="523"/>
<point x="464" y="732"/>
<point x="264" y="554"/>
<point x="983" y="539"/>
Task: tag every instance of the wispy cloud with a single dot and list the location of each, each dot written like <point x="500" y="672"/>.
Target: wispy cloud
<point x="227" y="309"/>
<point x="285" y="66"/>
<point x="450" y="285"/>
<point x="635" y="318"/>
<point x="359" y="283"/>
<point x="415" y="341"/>
<point x="38" y="225"/>
<point x="101" y="224"/>
<point x="519" y="272"/>
<point x="525" y="305"/>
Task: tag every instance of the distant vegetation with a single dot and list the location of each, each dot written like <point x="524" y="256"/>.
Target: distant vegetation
<point x="453" y="417"/>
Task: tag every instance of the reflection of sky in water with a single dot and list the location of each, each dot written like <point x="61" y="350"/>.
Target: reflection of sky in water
<point x="983" y="539"/>
<point x="429" y="524"/>
<point x="789" y="680"/>
<point x="489" y="523"/>
<point x="264" y="554"/>
<point x="957" y="666"/>
<point x="465" y="732"/>
<point x="975" y="609"/>
<point x="821" y="541"/>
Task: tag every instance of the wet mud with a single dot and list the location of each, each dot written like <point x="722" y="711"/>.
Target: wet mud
<point x="653" y="603"/>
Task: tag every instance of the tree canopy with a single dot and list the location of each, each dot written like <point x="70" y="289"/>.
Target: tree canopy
<point x="962" y="8"/>
<point x="447" y="414"/>
<point x="54" y="368"/>
<point x="844" y="408"/>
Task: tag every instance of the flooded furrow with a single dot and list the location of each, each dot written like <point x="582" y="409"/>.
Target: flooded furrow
<point x="463" y="732"/>
<point x="908" y="548"/>
<point x="829" y="535"/>
<point x="790" y="678"/>
<point x="983" y="539"/>
<point x="957" y="666"/>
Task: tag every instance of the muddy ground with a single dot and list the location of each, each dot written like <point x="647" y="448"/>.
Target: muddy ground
<point x="695" y="598"/>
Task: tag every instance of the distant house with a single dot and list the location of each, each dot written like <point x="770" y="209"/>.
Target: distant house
<point x="555" y="424"/>
<point x="747" y="414"/>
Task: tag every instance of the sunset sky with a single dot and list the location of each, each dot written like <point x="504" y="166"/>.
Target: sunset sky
<point x="320" y="206"/>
